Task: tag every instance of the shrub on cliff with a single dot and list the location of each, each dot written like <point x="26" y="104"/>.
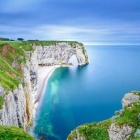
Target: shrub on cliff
<point x="13" y="133"/>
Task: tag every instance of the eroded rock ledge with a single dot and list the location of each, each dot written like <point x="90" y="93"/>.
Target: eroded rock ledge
<point x="124" y="125"/>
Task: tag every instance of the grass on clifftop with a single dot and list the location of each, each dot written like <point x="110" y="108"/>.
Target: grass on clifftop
<point x="6" y="65"/>
<point x="52" y="42"/>
<point x="130" y="116"/>
<point x="136" y="92"/>
<point x="93" y="131"/>
<point x="27" y="45"/>
<point x="13" y="133"/>
<point x="17" y="44"/>
<point x="7" y="82"/>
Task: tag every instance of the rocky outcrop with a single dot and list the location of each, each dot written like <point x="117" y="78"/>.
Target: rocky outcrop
<point x="137" y="133"/>
<point x="130" y="98"/>
<point x="117" y="132"/>
<point x="123" y="125"/>
<point x="28" y="92"/>
<point x="60" y="53"/>
<point x="14" y="108"/>
<point x="33" y="66"/>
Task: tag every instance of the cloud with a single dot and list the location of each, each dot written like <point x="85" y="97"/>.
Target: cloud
<point x="91" y="21"/>
<point x="93" y="33"/>
<point x="17" y="5"/>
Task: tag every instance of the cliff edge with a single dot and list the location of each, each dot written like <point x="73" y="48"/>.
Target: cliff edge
<point x="124" y="125"/>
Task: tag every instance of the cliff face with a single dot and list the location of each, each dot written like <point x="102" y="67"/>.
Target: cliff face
<point x="124" y="125"/>
<point x="18" y="99"/>
<point x="18" y="105"/>
<point x="61" y="53"/>
<point x="14" y="108"/>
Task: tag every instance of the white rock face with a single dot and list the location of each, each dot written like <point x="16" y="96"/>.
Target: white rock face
<point x="61" y="53"/>
<point x="18" y="104"/>
<point x="14" y="109"/>
<point x="33" y="66"/>
<point x="137" y="133"/>
<point x="2" y="91"/>
<point x="28" y="92"/>
<point x="130" y="98"/>
<point x="119" y="132"/>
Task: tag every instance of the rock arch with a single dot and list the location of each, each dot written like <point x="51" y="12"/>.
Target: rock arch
<point x="60" y="54"/>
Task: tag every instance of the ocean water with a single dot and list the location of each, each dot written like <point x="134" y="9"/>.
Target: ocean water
<point x="77" y="95"/>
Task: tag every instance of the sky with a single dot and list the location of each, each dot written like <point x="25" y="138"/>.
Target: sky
<point x="97" y="22"/>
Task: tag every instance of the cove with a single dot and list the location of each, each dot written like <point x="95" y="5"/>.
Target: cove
<point x="77" y="95"/>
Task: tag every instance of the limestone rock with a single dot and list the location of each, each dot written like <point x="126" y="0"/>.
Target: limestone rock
<point x="137" y="133"/>
<point x="130" y="98"/>
<point x="14" y="109"/>
<point x="117" y="132"/>
<point x="14" y="64"/>
<point x="60" y="54"/>
<point x="2" y="91"/>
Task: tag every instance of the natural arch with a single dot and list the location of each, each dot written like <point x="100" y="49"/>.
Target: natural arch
<point x="73" y="60"/>
<point x="61" y="54"/>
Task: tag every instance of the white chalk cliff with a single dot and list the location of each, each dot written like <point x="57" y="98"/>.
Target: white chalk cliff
<point x="61" y="53"/>
<point x="18" y="104"/>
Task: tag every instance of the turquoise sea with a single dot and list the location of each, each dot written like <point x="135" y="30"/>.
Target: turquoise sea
<point x="77" y="95"/>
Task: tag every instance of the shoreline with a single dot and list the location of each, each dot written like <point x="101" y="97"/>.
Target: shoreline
<point x="44" y="72"/>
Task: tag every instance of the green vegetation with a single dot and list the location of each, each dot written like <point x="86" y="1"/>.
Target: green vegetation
<point x="53" y="42"/>
<point x="1" y="102"/>
<point x="93" y="131"/>
<point x="13" y="133"/>
<point x="133" y="133"/>
<point x="96" y="131"/>
<point x="136" y="92"/>
<point x="4" y="39"/>
<point x="99" y="131"/>
<point x="10" y="53"/>
<point x="27" y="45"/>
<point x="18" y="45"/>
<point x="7" y="81"/>
<point x="130" y="116"/>
<point x="5" y="65"/>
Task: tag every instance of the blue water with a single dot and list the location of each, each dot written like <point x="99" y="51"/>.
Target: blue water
<point x="78" y="95"/>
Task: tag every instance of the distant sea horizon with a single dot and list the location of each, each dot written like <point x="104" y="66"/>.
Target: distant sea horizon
<point x="78" y="95"/>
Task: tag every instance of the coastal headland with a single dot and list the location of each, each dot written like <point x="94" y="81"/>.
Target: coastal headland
<point x="25" y="67"/>
<point x="23" y="76"/>
<point x="124" y="125"/>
